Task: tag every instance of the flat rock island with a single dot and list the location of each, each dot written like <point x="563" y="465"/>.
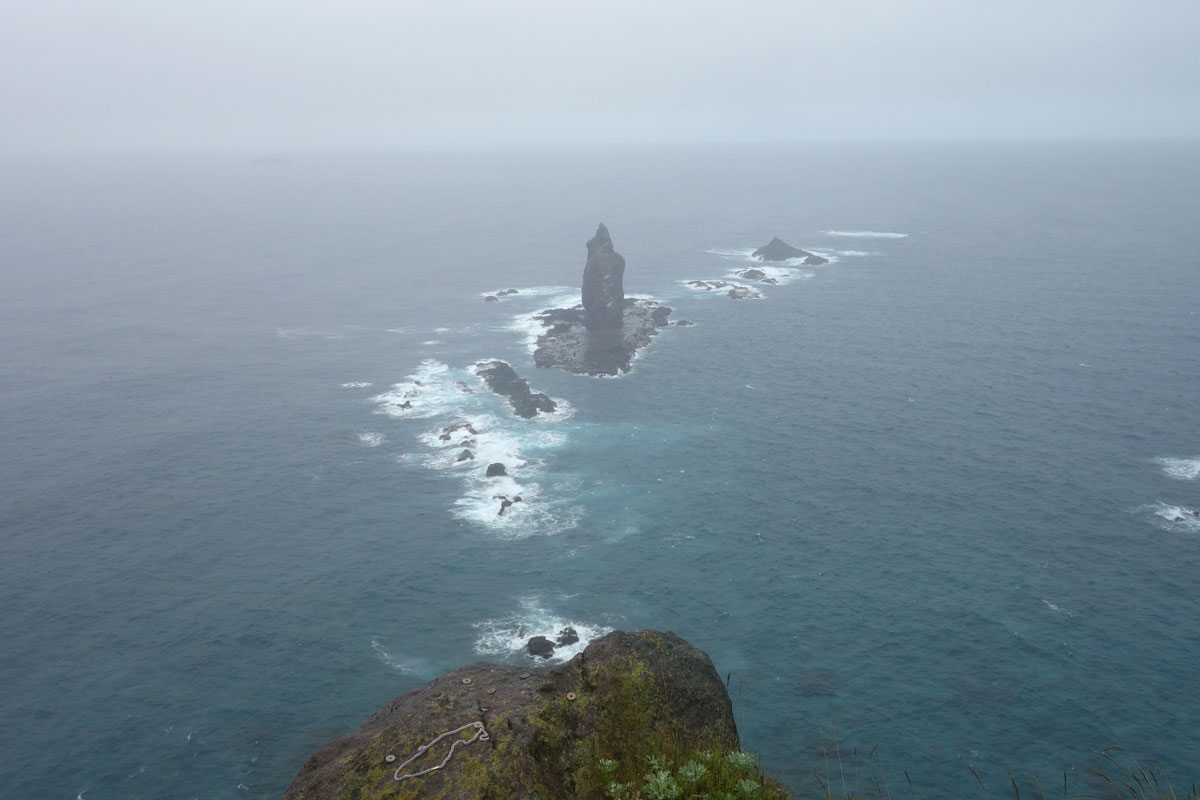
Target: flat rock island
<point x="601" y="335"/>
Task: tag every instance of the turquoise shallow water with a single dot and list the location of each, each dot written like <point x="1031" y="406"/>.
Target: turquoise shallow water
<point x="918" y="494"/>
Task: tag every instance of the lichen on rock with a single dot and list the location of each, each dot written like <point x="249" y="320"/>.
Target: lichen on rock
<point x="626" y="695"/>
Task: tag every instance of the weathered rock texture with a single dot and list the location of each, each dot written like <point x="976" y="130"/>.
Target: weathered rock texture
<point x="504" y="381"/>
<point x="568" y="344"/>
<point x="601" y="336"/>
<point x="626" y="695"/>
<point x="779" y="250"/>
<point x="603" y="284"/>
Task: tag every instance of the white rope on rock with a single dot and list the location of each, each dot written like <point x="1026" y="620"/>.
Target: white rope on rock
<point x="481" y="735"/>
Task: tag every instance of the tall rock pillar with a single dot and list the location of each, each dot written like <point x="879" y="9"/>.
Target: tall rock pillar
<point x="603" y="284"/>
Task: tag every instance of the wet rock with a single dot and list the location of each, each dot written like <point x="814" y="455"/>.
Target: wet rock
<point x="465" y="455"/>
<point x="496" y="470"/>
<point x="540" y="647"/>
<point x="502" y="379"/>
<point x="566" y="636"/>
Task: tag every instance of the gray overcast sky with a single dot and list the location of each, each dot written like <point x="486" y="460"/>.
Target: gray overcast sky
<point x="282" y="75"/>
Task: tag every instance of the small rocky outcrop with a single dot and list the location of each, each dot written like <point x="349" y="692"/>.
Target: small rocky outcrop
<point x="779" y="250"/>
<point x="448" y="432"/>
<point x="603" y="284"/>
<point x="735" y="291"/>
<point x="496" y="470"/>
<point x="504" y="381"/>
<point x="540" y="647"/>
<point x="465" y="455"/>
<point x="505" y="503"/>
<point x="491" y="298"/>
<point x="566" y="636"/>
<point x="530" y="732"/>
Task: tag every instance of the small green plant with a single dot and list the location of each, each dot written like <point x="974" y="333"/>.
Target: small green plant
<point x="696" y="775"/>
<point x="661" y="785"/>
<point x="692" y="773"/>
<point x="747" y="787"/>
<point x="740" y="762"/>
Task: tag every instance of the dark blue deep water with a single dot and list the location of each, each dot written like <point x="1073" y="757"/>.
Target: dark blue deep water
<point x="934" y="494"/>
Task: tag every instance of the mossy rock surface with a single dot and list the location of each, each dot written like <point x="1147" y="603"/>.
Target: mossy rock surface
<point x="626" y="695"/>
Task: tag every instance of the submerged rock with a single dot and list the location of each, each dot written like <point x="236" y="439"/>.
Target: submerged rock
<point x="449" y="431"/>
<point x="504" y="381"/>
<point x="626" y="695"/>
<point x="735" y="291"/>
<point x="779" y="250"/>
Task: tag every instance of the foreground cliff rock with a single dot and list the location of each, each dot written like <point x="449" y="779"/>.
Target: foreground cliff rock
<point x="601" y="335"/>
<point x="489" y="731"/>
<point x="779" y="250"/>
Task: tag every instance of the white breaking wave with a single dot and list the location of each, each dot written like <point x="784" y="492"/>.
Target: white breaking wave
<point x="739" y="253"/>
<point x="1055" y="608"/>
<point x="429" y="392"/>
<point x="528" y="291"/>
<point x="493" y="442"/>
<point x="371" y="439"/>
<point x="357" y="385"/>
<point x="476" y="428"/>
<point x="1181" y="469"/>
<point x="1175" y="518"/>
<point x="387" y="657"/>
<point x="746" y="254"/>
<point x="723" y="287"/>
<point x="780" y="275"/>
<point x="529" y="325"/>
<point x="868" y="234"/>
<point x="508" y="636"/>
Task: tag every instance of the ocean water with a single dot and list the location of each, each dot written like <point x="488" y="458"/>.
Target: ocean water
<point x="934" y="496"/>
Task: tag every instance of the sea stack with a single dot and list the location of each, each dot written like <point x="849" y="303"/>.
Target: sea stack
<point x="601" y="335"/>
<point x="603" y="284"/>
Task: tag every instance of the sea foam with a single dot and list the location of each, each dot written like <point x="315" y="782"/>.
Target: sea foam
<point x="473" y="421"/>
<point x="1181" y="469"/>
<point x="868" y="234"/>
<point x="506" y="637"/>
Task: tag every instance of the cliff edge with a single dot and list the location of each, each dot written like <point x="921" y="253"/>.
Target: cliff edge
<point x="490" y="731"/>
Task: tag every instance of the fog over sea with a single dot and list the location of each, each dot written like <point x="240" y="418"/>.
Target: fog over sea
<point x="937" y="493"/>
